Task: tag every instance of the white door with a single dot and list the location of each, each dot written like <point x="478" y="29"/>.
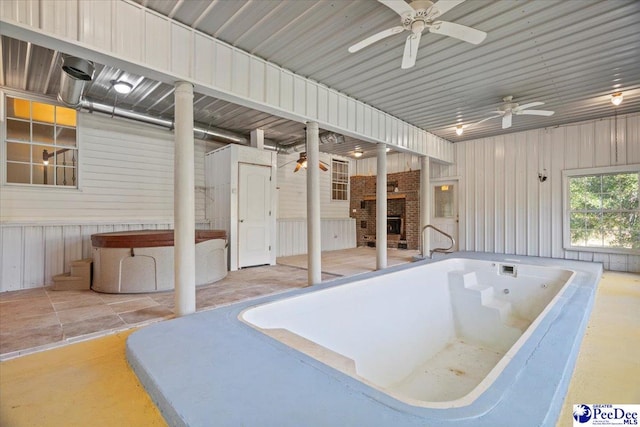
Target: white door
<point x="444" y="214"/>
<point x="254" y="212"/>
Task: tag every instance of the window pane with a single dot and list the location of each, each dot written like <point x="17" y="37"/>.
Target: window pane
<point x="18" y="130"/>
<point x="39" y="174"/>
<point x="19" y="108"/>
<point x="41" y="112"/>
<point x="18" y="152"/>
<point x="65" y="176"/>
<point x="18" y="173"/>
<point x="66" y="116"/>
<point x="604" y="211"/>
<point x="38" y="153"/>
<point x="66" y="137"/>
<point x="43" y="133"/>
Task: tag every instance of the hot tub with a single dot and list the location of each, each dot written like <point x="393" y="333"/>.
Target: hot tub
<point x="142" y="261"/>
<point x="432" y="336"/>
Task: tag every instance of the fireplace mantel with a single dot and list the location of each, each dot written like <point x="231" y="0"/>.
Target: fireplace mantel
<point x="390" y="196"/>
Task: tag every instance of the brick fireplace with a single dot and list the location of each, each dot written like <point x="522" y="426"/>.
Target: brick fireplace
<point x="403" y="209"/>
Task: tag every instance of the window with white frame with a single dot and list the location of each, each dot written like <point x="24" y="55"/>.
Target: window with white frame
<point x="40" y="143"/>
<point x="339" y="180"/>
<point x="602" y="209"/>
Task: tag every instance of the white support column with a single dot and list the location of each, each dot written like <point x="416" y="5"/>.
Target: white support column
<point x="184" y="202"/>
<point x="314" y="255"/>
<point x="381" y="208"/>
<point x="257" y="138"/>
<point x="425" y="206"/>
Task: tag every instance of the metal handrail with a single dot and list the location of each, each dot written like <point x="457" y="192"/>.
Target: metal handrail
<point x="439" y="250"/>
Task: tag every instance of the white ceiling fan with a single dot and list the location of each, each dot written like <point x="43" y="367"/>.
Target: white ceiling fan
<point x="510" y="109"/>
<point x="417" y="16"/>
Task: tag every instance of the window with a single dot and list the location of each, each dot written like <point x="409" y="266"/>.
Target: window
<point x="40" y="143"/>
<point x="339" y="180"/>
<point x="602" y="212"/>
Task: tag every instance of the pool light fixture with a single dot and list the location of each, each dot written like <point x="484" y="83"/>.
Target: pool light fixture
<point x="616" y="98"/>
<point x="122" y="87"/>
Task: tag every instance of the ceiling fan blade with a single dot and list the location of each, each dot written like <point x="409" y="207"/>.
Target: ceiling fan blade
<point x="529" y="105"/>
<point x="399" y="6"/>
<point x="374" y="38"/>
<point x="506" y="120"/>
<point x="461" y="32"/>
<point x="443" y="6"/>
<point x="323" y="166"/>
<point x="538" y="112"/>
<point x="410" y="51"/>
<point x="483" y="120"/>
<point x="298" y="167"/>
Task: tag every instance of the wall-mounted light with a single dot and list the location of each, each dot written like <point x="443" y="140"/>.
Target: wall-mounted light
<point x="122" y="87"/>
<point x="616" y="98"/>
<point x="358" y="154"/>
<point x="459" y="130"/>
<point x="542" y="176"/>
<point x="444" y="188"/>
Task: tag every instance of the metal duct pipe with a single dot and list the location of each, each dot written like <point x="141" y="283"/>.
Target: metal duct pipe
<point x="220" y="134"/>
<point x="75" y="73"/>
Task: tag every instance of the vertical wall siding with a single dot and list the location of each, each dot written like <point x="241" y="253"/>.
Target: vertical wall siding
<point x="504" y="208"/>
<point x="164" y="46"/>
<point x="33" y="254"/>
<point x="336" y="233"/>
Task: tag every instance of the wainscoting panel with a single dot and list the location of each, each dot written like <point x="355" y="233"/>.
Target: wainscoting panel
<point x="336" y="234"/>
<point x="31" y="254"/>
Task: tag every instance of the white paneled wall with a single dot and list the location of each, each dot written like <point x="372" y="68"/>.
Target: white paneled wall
<point x="292" y="189"/>
<point x="125" y="174"/>
<point x="126" y="183"/>
<point x="504" y="208"/>
<point x="337" y="228"/>
<point x="337" y="233"/>
<point x="168" y="50"/>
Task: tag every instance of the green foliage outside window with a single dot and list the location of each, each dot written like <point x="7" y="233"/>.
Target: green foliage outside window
<point x="604" y="210"/>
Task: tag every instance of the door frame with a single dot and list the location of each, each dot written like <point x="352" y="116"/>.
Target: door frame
<point x="271" y="223"/>
<point x="456" y="180"/>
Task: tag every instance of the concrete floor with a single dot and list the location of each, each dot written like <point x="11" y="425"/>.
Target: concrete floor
<point x="90" y="383"/>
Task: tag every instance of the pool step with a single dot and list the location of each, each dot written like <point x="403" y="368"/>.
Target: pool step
<point x="480" y="314"/>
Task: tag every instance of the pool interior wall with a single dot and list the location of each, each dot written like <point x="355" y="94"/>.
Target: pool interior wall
<point x="435" y="335"/>
<point x="210" y="368"/>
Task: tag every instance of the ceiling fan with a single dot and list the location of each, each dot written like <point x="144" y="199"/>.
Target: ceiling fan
<point x="302" y="163"/>
<point x="416" y="17"/>
<point x="510" y="109"/>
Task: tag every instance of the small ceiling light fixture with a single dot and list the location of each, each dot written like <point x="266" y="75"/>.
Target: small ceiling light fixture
<point x="459" y="130"/>
<point x="387" y="149"/>
<point x="616" y="98"/>
<point x="122" y="87"/>
<point x="358" y="153"/>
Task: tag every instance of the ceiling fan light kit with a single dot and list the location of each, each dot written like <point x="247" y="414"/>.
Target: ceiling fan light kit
<point x="415" y="18"/>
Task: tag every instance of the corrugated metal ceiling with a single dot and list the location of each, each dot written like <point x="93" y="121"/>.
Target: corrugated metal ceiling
<point x="569" y="54"/>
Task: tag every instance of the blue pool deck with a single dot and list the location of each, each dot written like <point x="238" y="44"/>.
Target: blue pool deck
<point x="211" y="369"/>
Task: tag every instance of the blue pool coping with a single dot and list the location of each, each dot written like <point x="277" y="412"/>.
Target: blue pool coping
<point x="211" y="369"/>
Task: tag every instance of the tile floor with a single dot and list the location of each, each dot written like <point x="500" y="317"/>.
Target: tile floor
<point x="40" y="318"/>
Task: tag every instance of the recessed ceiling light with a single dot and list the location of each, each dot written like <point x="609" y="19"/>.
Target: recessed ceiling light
<point x="616" y="98"/>
<point x="121" y="86"/>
